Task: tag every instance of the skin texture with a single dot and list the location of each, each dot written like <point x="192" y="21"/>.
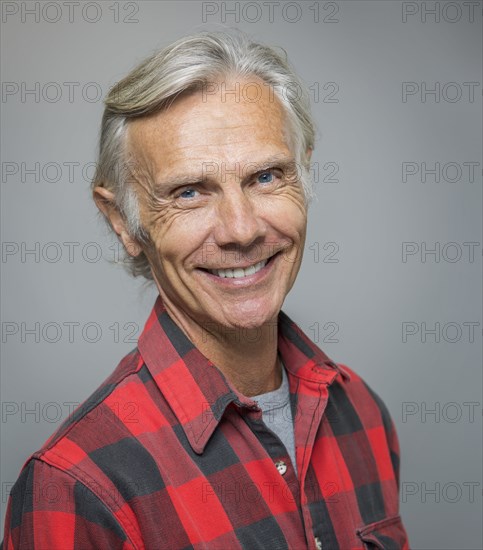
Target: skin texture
<point x="218" y="188"/>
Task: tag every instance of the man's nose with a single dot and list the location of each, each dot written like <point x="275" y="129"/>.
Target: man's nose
<point x="238" y="221"/>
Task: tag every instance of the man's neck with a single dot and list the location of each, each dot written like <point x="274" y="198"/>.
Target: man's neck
<point x="248" y="358"/>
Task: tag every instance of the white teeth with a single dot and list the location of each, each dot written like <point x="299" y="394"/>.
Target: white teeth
<point x="250" y="270"/>
<point x="238" y="272"/>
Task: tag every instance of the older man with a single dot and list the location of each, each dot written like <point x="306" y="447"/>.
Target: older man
<point x="226" y="427"/>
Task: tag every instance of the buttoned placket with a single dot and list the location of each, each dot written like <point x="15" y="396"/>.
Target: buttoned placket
<point x="305" y="429"/>
<point x="254" y="418"/>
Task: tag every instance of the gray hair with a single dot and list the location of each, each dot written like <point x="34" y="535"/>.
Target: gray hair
<point x="192" y="63"/>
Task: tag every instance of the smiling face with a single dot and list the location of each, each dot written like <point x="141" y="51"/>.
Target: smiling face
<point x="221" y="201"/>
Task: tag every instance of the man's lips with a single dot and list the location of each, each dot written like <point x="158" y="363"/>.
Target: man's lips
<point x="238" y="272"/>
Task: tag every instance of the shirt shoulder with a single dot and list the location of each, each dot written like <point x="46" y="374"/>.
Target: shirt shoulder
<point x="110" y="415"/>
<point x="59" y="499"/>
<point x="370" y="408"/>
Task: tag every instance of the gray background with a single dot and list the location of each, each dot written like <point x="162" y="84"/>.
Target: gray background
<point x="353" y="297"/>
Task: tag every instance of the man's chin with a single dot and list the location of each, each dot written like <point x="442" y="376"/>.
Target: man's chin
<point x="247" y="326"/>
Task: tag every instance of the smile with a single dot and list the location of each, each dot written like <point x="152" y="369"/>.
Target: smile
<point x="239" y="272"/>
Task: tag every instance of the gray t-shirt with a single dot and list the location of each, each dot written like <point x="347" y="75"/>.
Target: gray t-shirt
<point x="277" y="415"/>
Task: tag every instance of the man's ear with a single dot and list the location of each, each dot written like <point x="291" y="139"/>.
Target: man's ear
<point x="106" y="203"/>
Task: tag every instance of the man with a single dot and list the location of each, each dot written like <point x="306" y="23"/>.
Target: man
<point x="236" y="431"/>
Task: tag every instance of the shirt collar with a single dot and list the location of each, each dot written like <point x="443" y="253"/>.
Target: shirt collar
<point x="197" y="391"/>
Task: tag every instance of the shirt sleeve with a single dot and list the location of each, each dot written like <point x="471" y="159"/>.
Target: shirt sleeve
<point x="48" y="508"/>
<point x="394" y="449"/>
<point x="391" y="435"/>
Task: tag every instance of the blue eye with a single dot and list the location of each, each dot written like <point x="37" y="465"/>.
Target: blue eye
<point x="265" y="177"/>
<point x="188" y="193"/>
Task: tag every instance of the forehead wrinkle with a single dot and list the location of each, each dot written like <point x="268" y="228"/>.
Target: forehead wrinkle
<point x="209" y="134"/>
<point x="231" y="147"/>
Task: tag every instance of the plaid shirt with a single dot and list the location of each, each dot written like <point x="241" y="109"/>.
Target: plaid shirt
<point x="167" y="455"/>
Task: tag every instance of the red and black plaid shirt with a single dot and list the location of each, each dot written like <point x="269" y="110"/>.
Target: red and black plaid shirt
<point x="167" y="455"/>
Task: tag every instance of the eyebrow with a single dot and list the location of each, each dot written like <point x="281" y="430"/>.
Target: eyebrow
<point x="172" y="182"/>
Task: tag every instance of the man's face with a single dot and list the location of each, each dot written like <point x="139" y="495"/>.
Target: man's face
<point x="221" y="201"/>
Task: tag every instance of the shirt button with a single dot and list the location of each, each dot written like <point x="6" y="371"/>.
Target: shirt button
<point x="318" y="543"/>
<point x="281" y="467"/>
